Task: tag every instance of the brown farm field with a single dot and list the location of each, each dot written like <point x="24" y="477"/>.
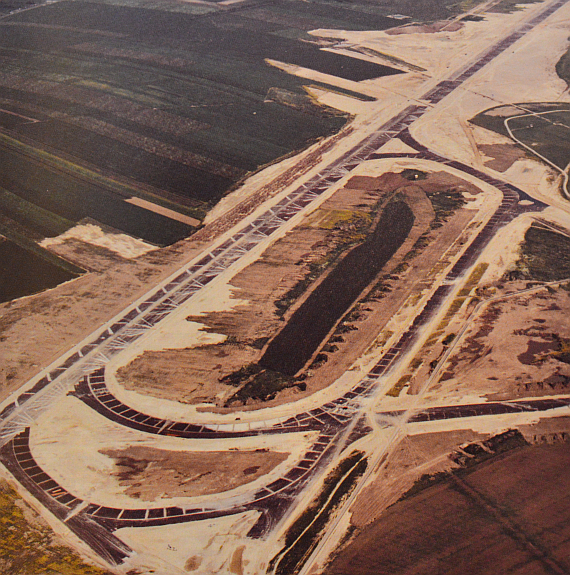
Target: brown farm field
<point x="507" y="515"/>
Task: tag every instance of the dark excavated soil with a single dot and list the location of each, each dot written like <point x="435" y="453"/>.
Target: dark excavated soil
<point x="309" y="325"/>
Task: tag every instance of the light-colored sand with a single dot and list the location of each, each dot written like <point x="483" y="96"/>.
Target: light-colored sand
<point x="176" y="332"/>
<point x="436" y="52"/>
<point x="396" y="146"/>
<point x="201" y="548"/>
<point x="161" y="337"/>
<point x="74" y="429"/>
<point x="503" y="250"/>
<point x="122" y="244"/>
<point x="524" y="73"/>
<point x="488" y="425"/>
<point x="163" y="211"/>
<point x="540" y="180"/>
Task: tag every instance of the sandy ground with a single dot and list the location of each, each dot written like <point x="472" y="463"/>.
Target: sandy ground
<point x="191" y="373"/>
<point x="121" y="244"/>
<point x="177" y="332"/>
<point x="85" y="437"/>
<point x="415" y="455"/>
<point x="478" y="522"/>
<point x="508" y="352"/>
<point x="38" y="329"/>
<point x="525" y="73"/>
<point x="61" y="312"/>
<point x="293" y="403"/>
<point x="436" y="52"/>
<point x="205" y="547"/>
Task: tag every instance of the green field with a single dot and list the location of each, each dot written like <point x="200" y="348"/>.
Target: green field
<point x="543" y="256"/>
<point x="169" y="102"/>
<point x="539" y="128"/>
<point x="182" y="102"/>
<point x="174" y="102"/>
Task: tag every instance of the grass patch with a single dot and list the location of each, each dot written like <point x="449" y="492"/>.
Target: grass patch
<point x="445" y="203"/>
<point x="27" y="545"/>
<point x="259" y="384"/>
<point x="474" y="279"/>
<point x="29" y="215"/>
<point x="545" y="134"/>
<point x="399" y="386"/>
<point x="32" y="247"/>
<point x="26" y="268"/>
<point x="563" y="67"/>
<point x="413" y="175"/>
<point x="509" y="6"/>
<point x="73" y="193"/>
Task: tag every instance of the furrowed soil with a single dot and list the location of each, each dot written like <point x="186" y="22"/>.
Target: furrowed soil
<point x="142" y="93"/>
<point x="509" y="514"/>
<point x="414" y="457"/>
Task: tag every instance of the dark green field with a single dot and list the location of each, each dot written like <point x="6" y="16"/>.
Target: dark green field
<point x="24" y="272"/>
<point x="181" y="98"/>
<point x="169" y="101"/>
<point x="182" y="102"/>
<point x="34" y="194"/>
<point x="100" y="102"/>
<point x="542" y="128"/>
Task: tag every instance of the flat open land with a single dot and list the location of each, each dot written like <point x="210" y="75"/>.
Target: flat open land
<point x="29" y="545"/>
<point x="143" y="97"/>
<point x="508" y="515"/>
<point x="516" y="345"/>
<point x="515" y="349"/>
<point x="313" y="281"/>
<point x="289" y="338"/>
<point x="148" y="473"/>
<point x="132" y="117"/>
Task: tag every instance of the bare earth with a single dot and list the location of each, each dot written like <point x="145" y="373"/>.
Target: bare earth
<point x="148" y="473"/>
<point x="511" y="349"/>
<point x="498" y="518"/>
<point x="193" y="375"/>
